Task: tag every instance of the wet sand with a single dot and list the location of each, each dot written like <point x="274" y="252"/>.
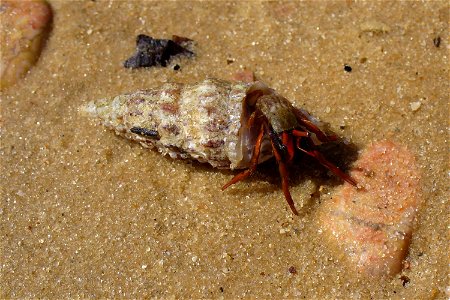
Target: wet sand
<point x="88" y="214"/>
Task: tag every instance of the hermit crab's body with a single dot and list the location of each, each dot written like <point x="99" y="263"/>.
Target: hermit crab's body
<point x="229" y="125"/>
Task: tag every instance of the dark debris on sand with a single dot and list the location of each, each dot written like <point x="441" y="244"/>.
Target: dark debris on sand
<point x="157" y="52"/>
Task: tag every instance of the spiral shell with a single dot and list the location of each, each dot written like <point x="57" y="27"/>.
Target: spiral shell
<point x="200" y="121"/>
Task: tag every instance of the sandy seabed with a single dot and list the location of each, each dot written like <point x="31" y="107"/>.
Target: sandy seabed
<point x="88" y="214"/>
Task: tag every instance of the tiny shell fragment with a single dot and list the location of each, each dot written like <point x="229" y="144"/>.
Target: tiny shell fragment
<point x="375" y="27"/>
<point x="24" y="26"/>
<point x="372" y="226"/>
<point x="415" y="105"/>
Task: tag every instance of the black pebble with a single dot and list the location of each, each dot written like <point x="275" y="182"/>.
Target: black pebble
<point x="437" y="41"/>
<point x="154" y="52"/>
<point x="347" y="68"/>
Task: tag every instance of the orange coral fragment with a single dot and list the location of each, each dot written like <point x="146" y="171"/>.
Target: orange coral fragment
<point x="24" y="25"/>
<point x="373" y="225"/>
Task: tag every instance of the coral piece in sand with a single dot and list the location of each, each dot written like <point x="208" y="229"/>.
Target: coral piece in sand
<point x="372" y="226"/>
<point x="24" y="26"/>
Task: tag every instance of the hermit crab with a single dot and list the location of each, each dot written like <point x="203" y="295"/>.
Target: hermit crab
<point x="233" y="125"/>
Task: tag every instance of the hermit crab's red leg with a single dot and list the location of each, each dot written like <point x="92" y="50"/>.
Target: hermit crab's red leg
<point x="251" y="119"/>
<point x="253" y="161"/>
<point x="284" y="178"/>
<point x="279" y="156"/>
<point x="288" y="142"/>
<point x="322" y="160"/>
<point x="302" y="119"/>
<point x="299" y="133"/>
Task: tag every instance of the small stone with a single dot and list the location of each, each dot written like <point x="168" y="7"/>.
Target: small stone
<point x="374" y="26"/>
<point x="230" y="60"/>
<point x="405" y="280"/>
<point x="437" y="41"/>
<point x="415" y="105"/>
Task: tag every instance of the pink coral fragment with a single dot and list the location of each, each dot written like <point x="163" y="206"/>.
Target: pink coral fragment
<point x="373" y="225"/>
